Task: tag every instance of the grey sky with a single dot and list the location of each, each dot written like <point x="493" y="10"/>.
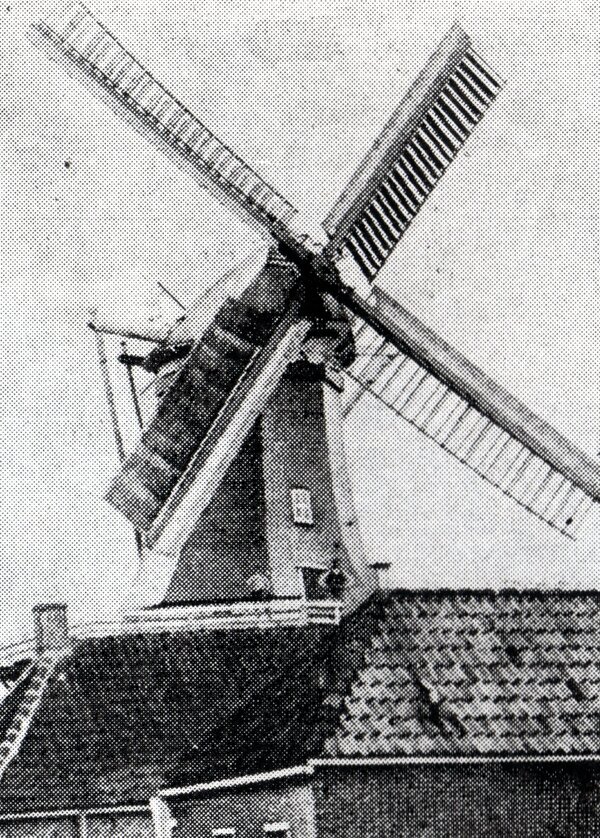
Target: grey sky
<point x="503" y="261"/>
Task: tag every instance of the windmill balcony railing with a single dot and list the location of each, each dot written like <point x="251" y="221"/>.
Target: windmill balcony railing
<point x="235" y="615"/>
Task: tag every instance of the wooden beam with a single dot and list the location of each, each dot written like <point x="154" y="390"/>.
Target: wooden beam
<point x="297" y="771"/>
<point x="166" y="123"/>
<point x="449" y="366"/>
<point x="74" y="813"/>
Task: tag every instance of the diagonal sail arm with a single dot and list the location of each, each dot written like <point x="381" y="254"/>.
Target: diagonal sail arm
<point x="435" y="388"/>
<point x="194" y="490"/>
<point x="411" y="154"/>
<point x="90" y="53"/>
<point x="225" y="360"/>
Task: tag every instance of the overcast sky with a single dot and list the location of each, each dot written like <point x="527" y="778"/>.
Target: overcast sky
<point x="502" y="261"/>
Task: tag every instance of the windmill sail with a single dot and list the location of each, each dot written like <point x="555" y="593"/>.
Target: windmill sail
<point x="435" y="388"/>
<point x="244" y="336"/>
<point x="221" y="386"/>
<point x="411" y="154"/>
<point x="95" y="57"/>
<point x="197" y="484"/>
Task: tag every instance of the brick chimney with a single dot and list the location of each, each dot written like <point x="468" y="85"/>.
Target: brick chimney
<point x="50" y="626"/>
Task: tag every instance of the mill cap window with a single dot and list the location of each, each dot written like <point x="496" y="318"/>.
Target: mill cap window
<point x="302" y="511"/>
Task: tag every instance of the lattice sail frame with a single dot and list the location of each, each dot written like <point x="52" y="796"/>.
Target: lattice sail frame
<point x="97" y="58"/>
<point x="411" y="154"/>
<point x="465" y="432"/>
<point x="383" y="197"/>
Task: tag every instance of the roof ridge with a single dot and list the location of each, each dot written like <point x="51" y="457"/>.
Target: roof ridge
<point x="373" y="612"/>
<point x="40" y="671"/>
<point x="490" y="593"/>
<point x="18" y="681"/>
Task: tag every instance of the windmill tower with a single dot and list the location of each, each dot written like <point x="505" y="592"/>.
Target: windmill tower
<point x="279" y="521"/>
<point x="278" y="514"/>
<point x="238" y="482"/>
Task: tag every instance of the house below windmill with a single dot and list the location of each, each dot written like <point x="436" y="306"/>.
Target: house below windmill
<point x="418" y="714"/>
<point x="272" y="687"/>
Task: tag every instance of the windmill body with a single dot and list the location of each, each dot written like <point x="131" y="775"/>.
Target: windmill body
<point x="251" y="541"/>
<point x="238" y="480"/>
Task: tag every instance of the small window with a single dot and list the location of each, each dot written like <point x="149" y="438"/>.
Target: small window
<point x="277" y="830"/>
<point x="223" y="832"/>
<point x="302" y="507"/>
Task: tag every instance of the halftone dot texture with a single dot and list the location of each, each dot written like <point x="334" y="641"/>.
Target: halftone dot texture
<point x="424" y="676"/>
<point x="501" y="261"/>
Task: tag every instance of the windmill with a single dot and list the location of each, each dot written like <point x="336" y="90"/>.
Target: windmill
<point x="240" y="476"/>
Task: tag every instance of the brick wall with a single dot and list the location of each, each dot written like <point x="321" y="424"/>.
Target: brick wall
<point x="464" y="801"/>
<point x="119" y="826"/>
<point x="247" y="810"/>
<point x="520" y="800"/>
<point x="39" y="828"/>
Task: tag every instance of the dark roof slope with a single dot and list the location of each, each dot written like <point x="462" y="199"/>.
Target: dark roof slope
<point x="125" y="716"/>
<point x="409" y="674"/>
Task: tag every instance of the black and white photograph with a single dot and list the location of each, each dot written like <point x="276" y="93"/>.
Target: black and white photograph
<point x="299" y="419"/>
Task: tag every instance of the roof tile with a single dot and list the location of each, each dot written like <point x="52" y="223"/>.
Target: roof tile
<point x="410" y="673"/>
<point x="498" y="662"/>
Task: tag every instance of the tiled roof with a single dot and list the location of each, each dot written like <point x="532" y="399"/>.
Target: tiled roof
<point x="408" y="674"/>
<point x="453" y="673"/>
<point x="125" y="716"/>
